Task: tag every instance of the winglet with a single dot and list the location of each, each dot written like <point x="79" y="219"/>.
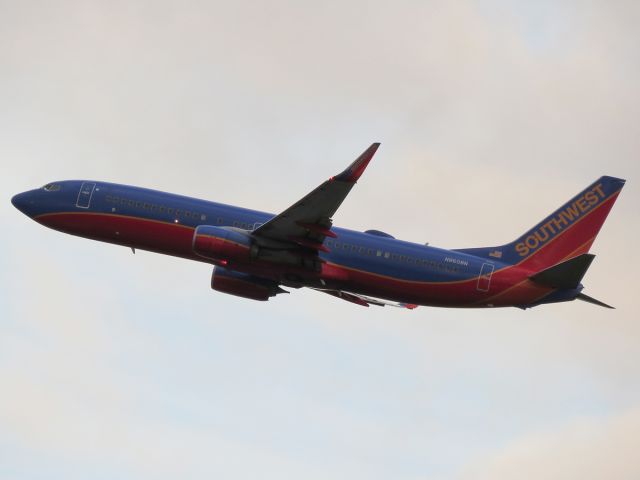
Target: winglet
<point x="355" y="170"/>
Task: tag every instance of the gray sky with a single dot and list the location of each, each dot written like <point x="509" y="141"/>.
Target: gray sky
<point x="490" y="114"/>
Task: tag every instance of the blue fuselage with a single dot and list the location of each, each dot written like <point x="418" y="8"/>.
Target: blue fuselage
<point x="370" y="263"/>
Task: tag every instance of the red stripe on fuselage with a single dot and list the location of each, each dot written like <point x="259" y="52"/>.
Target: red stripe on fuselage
<point x="176" y="239"/>
<point x="460" y="293"/>
<point x="153" y="235"/>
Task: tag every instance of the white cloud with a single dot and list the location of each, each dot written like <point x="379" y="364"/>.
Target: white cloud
<point x="590" y="448"/>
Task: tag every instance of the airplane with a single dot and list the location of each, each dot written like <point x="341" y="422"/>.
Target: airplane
<point x="255" y="254"/>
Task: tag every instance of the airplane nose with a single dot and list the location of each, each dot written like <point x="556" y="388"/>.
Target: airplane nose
<point x="23" y="202"/>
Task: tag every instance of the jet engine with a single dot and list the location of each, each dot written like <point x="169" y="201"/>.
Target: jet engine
<point x="222" y="243"/>
<point x="244" y="285"/>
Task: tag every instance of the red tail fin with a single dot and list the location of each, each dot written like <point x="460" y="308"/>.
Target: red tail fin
<point x="566" y="233"/>
<point x="570" y="230"/>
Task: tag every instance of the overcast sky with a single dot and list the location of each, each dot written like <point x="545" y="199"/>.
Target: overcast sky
<point x="490" y="113"/>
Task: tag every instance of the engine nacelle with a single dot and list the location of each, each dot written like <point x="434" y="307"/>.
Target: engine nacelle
<point x="243" y="284"/>
<point x="221" y="243"/>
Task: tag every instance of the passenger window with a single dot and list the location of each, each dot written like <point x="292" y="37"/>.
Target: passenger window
<point x="203" y="217"/>
<point x="220" y="221"/>
<point x="108" y="198"/>
<point x="187" y="214"/>
<point x="162" y="208"/>
<point x="386" y="254"/>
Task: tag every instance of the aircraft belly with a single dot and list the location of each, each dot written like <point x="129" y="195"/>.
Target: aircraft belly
<point x="508" y="287"/>
<point x="162" y="237"/>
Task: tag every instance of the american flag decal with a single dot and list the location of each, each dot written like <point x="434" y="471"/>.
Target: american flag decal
<point x="496" y="254"/>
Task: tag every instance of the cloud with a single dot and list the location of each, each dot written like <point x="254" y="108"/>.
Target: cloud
<point x="589" y="448"/>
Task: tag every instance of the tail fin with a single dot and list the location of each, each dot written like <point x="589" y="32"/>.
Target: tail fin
<point x="566" y="233"/>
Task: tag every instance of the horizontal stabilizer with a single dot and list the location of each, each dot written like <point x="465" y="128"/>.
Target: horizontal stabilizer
<point x="567" y="274"/>
<point x="588" y="299"/>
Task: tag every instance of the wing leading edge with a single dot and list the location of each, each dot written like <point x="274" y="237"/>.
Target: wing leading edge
<point x="308" y="222"/>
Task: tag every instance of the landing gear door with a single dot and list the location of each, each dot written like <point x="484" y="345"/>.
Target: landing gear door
<point x="484" y="280"/>
<point x="85" y="194"/>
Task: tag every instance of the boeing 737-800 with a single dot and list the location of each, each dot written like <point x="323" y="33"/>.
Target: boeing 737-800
<point x="255" y="254"/>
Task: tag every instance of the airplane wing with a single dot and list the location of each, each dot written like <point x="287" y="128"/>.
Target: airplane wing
<point x="308" y="221"/>
<point x="364" y="300"/>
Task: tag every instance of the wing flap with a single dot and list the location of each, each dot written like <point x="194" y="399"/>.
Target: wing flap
<point x="364" y="300"/>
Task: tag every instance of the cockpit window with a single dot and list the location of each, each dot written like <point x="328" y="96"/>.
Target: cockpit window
<point x="52" y="187"/>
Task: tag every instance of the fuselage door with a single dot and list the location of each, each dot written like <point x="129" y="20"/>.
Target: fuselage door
<point x="484" y="280"/>
<point x="86" y="192"/>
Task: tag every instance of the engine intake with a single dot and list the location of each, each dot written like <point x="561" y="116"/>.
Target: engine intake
<point x="244" y="285"/>
<point x="221" y="243"/>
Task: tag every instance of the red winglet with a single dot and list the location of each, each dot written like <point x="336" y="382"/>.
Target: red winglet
<point x="355" y="170"/>
<point x="312" y="227"/>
